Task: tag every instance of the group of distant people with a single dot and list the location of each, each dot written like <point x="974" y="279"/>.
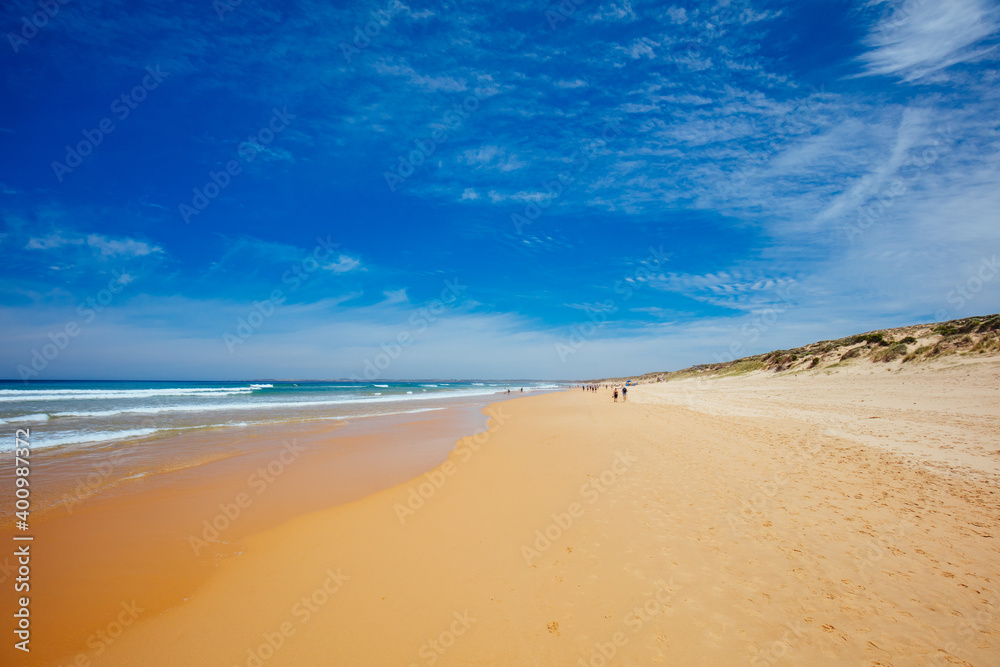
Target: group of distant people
<point x="614" y="390"/>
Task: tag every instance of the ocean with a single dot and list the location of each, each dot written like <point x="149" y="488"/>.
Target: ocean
<point x="73" y="414"/>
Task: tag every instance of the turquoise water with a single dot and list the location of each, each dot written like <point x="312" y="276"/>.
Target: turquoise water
<point x="80" y="414"/>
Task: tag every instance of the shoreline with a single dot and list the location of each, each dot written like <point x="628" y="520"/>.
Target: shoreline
<point x="157" y="536"/>
<point x="580" y="531"/>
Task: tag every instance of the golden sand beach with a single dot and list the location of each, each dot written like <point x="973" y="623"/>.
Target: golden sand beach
<point x="847" y="516"/>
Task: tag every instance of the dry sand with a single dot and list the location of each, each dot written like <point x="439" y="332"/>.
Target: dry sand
<point x="748" y="521"/>
<point x="944" y="412"/>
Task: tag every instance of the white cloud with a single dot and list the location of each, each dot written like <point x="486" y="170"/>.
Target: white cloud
<point x="691" y="61"/>
<point x="107" y="247"/>
<point x="750" y="16"/>
<point x="615" y="12"/>
<point x="492" y="157"/>
<point x="54" y="240"/>
<point x="447" y="84"/>
<point x="522" y="196"/>
<point x="660" y="313"/>
<point x="126" y="248"/>
<point x="677" y="15"/>
<point x="395" y="296"/>
<point x="632" y="107"/>
<point x="344" y="264"/>
<point x="922" y="37"/>
<point x="642" y="47"/>
<point x="736" y="289"/>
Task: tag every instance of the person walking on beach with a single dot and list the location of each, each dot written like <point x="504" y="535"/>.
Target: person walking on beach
<point x="615" y="394"/>
<point x="624" y="393"/>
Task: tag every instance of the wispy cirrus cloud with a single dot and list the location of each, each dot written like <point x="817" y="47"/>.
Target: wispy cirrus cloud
<point x="916" y="39"/>
<point x="344" y="264"/>
<point x="736" y="290"/>
<point x="102" y="245"/>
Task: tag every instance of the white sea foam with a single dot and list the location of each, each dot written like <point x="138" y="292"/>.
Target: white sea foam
<point x="265" y="404"/>
<point x="58" y="438"/>
<point x="180" y="408"/>
<point x="40" y="417"/>
<point x="13" y="395"/>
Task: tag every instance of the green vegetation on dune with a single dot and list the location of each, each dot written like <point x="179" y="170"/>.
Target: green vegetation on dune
<point x="743" y="366"/>
<point x="876" y="338"/>
<point x="894" y="352"/>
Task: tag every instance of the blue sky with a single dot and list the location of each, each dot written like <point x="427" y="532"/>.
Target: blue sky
<point x="261" y="189"/>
